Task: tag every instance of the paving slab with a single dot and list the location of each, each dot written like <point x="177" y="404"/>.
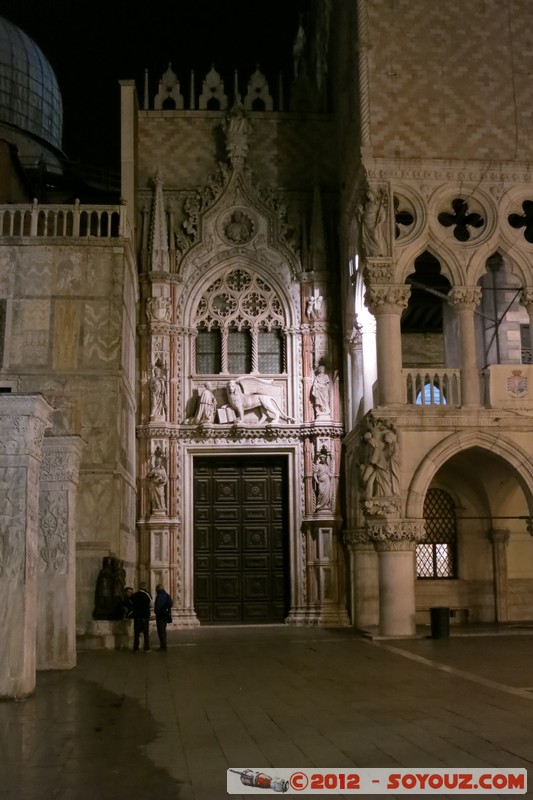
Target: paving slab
<point x="167" y="726"/>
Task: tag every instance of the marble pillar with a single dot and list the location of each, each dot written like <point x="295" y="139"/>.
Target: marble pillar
<point x="387" y="303"/>
<point x="465" y="300"/>
<point x="364" y="582"/>
<point x="396" y="544"/>
<point x="23" y="420"/>
<point x="500" y="540"/>
<point x="56" y="565"/>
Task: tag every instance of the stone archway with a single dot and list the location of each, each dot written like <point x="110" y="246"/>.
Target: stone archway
<point x="493" y="581"/>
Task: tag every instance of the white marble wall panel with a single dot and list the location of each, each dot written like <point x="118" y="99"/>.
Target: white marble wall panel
<point x="23" y="420"/>
<point x="56" y="565"/>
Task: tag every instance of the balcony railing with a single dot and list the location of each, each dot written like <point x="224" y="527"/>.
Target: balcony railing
<point x="63" y="220"/>
<point x="432" y="387"/>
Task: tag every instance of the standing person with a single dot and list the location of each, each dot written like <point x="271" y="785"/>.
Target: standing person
<point x="128" y="603"/>
<point x="141" y="602"/>
<point x="162" y="606"/>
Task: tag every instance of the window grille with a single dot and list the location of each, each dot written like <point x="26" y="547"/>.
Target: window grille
<point x="208" y="352"/>
<point x="436" y="557"/>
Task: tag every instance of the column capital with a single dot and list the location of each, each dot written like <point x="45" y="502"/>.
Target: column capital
<point x="23" y="420"/>
<point x="399" y="534"/>
<point x="499" y="536"/>
<point x="465" y="296"/>
<point x="357" y="536"/>
<point x="387" y="298"/>
<point x="61" y="458"/>
<point x="526" y="297"/>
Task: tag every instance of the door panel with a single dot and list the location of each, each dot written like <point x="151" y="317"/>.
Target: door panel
<point x="241" y="561"/>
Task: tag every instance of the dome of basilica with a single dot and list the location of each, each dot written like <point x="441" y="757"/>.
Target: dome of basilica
<point x="29" y="93"/>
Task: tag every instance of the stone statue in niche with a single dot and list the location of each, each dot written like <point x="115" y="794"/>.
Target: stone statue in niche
<point x="321" y="392"/>
<point x="158" y="480"/>
<point x="380" y="468"/>
<point x="373" y="218"/>
<point x="109" y="592"/>
<point x="207" y="407"/>
<point x="240" y="228"/>
<point x="238" y="128"/>
<point x="158" y="393"/>
<point x="323" y="479"/>
<point x="313" y="306"/>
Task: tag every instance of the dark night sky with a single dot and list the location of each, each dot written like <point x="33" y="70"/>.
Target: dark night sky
<point x="92" y="46"/>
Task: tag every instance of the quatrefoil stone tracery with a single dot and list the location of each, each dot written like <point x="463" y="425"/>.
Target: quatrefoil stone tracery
<point x="239" y="297"/>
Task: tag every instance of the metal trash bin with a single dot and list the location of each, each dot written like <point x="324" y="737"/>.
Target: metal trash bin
<point x="440" y="622"/>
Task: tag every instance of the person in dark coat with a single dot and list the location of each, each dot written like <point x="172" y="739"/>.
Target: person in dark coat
<point x="162" y="606"/>
<point x="127" y="604"/>
<point x="141" y="602"/>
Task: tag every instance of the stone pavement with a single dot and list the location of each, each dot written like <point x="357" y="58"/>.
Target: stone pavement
<point x="168" y="725"/>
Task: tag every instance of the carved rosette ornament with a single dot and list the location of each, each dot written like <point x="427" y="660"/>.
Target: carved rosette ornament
<point x="465" y="296"/>
<point x="387" y="299"/>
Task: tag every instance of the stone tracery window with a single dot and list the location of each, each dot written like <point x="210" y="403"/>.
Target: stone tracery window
<point x="240" y="323"/>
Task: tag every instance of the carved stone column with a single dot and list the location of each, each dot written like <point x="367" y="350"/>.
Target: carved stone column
<point x="364" y="582"/>
<point x="465" y="300"/>
<point x="56" y="566"/>
<point x="23" y="419"/>
<point x="387" y="302"/>
<point x="396" y="543"/>
<point x="500" y="539"/>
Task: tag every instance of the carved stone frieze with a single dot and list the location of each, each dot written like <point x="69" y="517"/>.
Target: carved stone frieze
<point x="378" y="270"/>
<point x="446" y="172"/>
<point x="58" y="465"/>
<point x="382" y="506"/>
<point x="12" y="521"/>
<point x="53" y="532"/>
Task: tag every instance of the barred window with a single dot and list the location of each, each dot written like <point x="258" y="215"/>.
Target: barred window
<point x="270" y="351"/>
<point x="208" y="352"/>
<point x="239" y="351"/>
<point x="525" y="344"/>
<point x="437" y="556"/>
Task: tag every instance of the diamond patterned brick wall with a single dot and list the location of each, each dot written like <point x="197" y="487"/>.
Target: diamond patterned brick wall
<point x="285" y="151"/>
<point x="450" y="80"/>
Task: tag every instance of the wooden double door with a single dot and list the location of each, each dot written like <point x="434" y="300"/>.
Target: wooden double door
<point x="241" y="532"/>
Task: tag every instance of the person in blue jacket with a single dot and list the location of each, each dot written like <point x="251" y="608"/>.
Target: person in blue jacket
<point x="162" y="606"/>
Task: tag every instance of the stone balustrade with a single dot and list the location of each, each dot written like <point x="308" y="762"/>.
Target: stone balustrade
<point x="432" y="387"/>
<point x="74" y="220"/>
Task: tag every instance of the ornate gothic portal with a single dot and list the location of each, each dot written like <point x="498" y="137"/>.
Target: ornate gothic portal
<point x="240" y="428"/>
